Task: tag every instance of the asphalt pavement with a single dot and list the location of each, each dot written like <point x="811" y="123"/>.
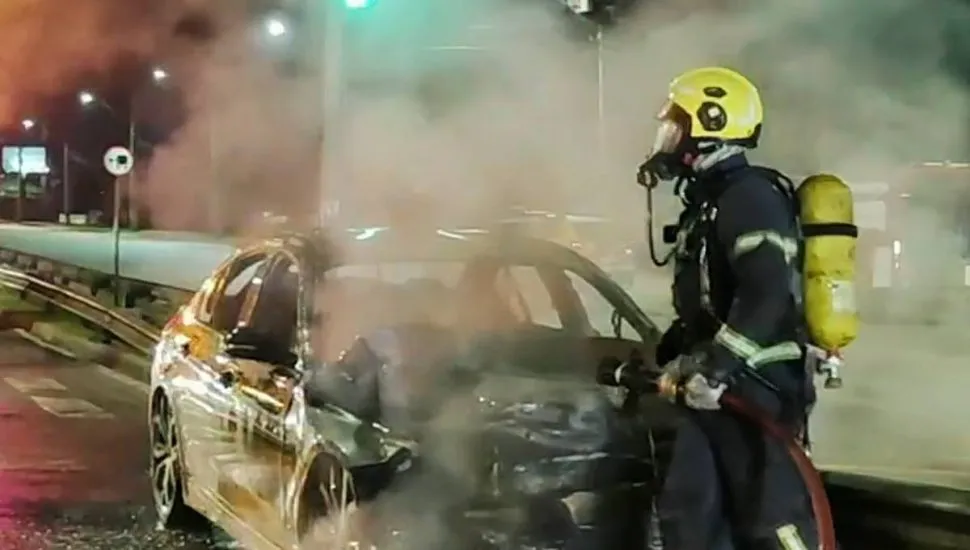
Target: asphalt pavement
<point x="73" y="456"/>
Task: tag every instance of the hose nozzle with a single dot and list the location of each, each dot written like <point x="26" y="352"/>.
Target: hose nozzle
<point x="668" y="388"/>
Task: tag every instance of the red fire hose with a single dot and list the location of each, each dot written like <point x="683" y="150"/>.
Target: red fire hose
<point x="616" y="373"/>
<point x="635" y="378"/>
<point x="822" y="510"/>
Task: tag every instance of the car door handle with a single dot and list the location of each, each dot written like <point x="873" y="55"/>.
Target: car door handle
<point x="229" y="377"/>
<point x="182" y="345"/>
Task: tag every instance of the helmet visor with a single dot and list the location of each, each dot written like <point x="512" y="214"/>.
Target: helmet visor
<point x="672" y="129"/>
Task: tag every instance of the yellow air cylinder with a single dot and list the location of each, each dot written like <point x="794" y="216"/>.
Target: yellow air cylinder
<point x="828" y="226"/>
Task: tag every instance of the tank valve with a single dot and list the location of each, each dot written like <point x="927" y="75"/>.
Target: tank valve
<point x="829" y="366"/>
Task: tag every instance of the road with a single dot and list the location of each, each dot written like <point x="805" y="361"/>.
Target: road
<point x="73" y="457"/>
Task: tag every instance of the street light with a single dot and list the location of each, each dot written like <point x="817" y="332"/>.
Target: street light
<point x="275" y="27"/>
<point x="31" y="125"/>
<point x="86" y="98"/>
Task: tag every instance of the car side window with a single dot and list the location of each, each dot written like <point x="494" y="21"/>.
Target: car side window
<point x="599" y="310"/>
<point x="227" y="306"/>
<point x="536" y="296"/>
<point x="274" y="312"/>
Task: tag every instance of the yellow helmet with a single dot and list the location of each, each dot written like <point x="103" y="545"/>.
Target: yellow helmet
<point x="720" y="104"/>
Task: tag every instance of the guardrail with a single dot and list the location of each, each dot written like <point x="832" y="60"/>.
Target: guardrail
<point x="143" y="302"/>
<point x="116" y="326"/>
<point x="870" y="513"/>
<point x="876" y="514"/>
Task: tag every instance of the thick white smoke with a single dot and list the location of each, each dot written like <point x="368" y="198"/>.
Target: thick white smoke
<point x="502" y="106"/>
<point x="502" y="109"/>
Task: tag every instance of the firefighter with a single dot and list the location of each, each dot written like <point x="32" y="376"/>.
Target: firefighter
<point x="736" y="296"/>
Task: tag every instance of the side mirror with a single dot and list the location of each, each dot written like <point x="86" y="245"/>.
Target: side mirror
<point x="251" y="345"/>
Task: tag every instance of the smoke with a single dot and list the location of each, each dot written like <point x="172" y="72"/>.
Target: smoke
<point x="49" y="46"/>
<point x="501" y="107"/>
<point x="497" y="104"/>
<point x="249" y="139"/>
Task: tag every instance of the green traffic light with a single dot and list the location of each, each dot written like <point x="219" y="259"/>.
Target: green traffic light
<point x="358" y="4"/>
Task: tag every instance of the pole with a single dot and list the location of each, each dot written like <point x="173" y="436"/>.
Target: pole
<point x="601" y="99"/>
<point x="21" y="186"/>
<point x="216" y="224"/>
<point x="66" y="182"/>
<point x="332" y="90"/>
<point x="131" y="179"/>
<point x="116" y="241"/>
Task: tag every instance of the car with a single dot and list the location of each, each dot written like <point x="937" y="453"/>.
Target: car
<point x="393" y="380"/>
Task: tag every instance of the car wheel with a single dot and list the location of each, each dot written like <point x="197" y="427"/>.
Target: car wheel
<point x="166" y="471"/>
<point x="327" y="504"/>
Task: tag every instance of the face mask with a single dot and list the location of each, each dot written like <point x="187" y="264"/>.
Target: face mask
<point x="665" y="161"/>
<point x="660" y="167"/>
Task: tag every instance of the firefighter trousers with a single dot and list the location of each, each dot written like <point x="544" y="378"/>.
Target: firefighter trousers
<point x="731" y="487"/>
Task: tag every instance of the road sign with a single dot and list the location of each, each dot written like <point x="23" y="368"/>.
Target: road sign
<point x="118" y="161"/>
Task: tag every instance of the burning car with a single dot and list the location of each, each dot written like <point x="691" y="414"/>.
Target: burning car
<point x="301" y="385"/>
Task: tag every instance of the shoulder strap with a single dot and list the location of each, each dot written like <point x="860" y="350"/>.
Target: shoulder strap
<point x="782" y="183"/>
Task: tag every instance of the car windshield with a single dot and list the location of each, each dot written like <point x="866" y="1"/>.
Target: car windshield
<point x="477" y="297"/>
<point x="356" y="299"/>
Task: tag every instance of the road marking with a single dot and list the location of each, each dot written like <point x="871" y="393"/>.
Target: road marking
<point x="123" y="379"/>
<point x="69" y="407"/>
<point x="32" y="385"/>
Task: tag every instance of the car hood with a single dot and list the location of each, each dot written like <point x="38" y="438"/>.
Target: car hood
<point x="521" y="414"/>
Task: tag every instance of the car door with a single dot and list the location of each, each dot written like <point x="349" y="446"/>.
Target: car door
<point x="220" y="421"/>
<point x="589" y="305"/>
<point x="206" y="413"/>
<point x="263" y="394"/>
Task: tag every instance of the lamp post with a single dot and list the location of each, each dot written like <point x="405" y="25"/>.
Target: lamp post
<point x="29" y="125"/>
<point x="330" y="59"/>
<point x="88" y="99"/>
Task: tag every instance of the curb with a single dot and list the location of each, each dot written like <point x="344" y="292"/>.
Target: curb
<point x="54" y="339"/>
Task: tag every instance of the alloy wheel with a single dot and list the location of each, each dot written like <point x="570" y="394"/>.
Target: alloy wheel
<point x="164" y="460"/>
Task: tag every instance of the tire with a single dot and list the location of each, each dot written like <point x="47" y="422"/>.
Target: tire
<point x="166" y="472"/>
<point x="327" y="495"/>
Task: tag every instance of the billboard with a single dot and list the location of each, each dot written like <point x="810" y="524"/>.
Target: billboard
<point x="26" y="160"/>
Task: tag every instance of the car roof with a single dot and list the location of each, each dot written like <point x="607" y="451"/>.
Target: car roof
<point x="372" y="246"/>
<point x="386" y="245"/>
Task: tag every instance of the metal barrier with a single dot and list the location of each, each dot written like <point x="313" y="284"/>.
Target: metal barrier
<point x="135" y="333"/>
<point x="89" y="296"/>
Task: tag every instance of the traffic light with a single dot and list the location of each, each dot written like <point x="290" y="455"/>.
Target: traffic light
<point x="358" y="4"/>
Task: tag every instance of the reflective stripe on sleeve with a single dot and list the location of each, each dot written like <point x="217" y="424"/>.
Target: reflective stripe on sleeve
<point x="750" y="241"/>
<point x="736" y="343"/>
<point x="785" y="351"/>
<point x="751" y="353"/>
<point x="790" y="538"/>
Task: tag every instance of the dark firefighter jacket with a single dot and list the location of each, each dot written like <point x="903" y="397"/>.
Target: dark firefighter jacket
<point x="736" y="270"/>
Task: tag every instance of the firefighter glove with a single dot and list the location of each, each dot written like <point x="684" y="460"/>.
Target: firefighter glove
<point x="703" y="394"/>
